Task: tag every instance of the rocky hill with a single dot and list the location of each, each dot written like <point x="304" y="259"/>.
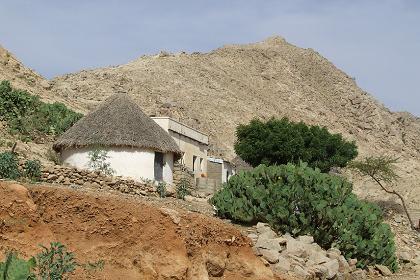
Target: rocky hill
<point x="216" y="91"/>
<point x="21" y="77"/>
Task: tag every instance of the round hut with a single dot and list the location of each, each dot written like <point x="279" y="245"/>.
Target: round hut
<point x="136" y="147"/>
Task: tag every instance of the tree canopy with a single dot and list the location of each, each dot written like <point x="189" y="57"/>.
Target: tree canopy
<point x="280" y="141"/>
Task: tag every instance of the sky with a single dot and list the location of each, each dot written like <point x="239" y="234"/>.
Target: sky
<point x="375" y="41"/>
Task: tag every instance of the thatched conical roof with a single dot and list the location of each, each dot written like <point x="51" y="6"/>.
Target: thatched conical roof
<point x="118" y="122"/>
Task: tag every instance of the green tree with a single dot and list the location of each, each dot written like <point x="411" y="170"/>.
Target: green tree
<point x="382" y="171"/>
<point x="282" y="141"/>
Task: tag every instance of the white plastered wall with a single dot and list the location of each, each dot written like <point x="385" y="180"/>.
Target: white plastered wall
<point x="132" y="163"/>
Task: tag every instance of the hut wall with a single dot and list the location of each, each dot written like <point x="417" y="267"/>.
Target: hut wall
<point x="127" y="162"/>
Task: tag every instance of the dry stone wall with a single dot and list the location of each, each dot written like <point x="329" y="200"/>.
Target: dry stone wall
<point x="95" y="179"/>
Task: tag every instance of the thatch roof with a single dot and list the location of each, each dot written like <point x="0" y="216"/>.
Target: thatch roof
<point x="118" y="122"/>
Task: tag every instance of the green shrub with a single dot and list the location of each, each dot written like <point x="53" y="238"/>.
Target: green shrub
<point x="98" y="161"/>
<point x="32" y="170"/>
<point x="14" y="268"/>
<point x="161" y="189"/>
<point x="9" y="166"/>
<point x="283" y="141"/>
<point x="55" y="262"/>
<point x="28" y="116"/>
<point x="183" y="188"/>
<point x="301" y="200"/>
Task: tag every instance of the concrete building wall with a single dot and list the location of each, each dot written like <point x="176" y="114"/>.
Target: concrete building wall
<point x="126" y="162"/>
<point x="191" y="142"/>
<point x="220" y="170"/>
<point x="227" y="171"/>
<point x="214" y="171"/>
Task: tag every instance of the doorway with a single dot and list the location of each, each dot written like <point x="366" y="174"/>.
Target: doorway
<point x="158" y="166"/>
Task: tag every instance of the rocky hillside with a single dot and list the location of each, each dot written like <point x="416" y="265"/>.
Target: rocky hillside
<point x="20" y="76"/>
<point x="216" y="91"/>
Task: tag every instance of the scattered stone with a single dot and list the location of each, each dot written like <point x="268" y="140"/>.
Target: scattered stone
<point x="302" y="273"/>
<point x="405" y="257"/>
<point x="332" y="268"/>
<point x="383" y="270"/>
<point x="306" y="239"/>
<point x="358" y="274"/>
<point x="173" y="214"/>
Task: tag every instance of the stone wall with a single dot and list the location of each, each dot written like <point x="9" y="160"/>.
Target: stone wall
<point x="94" y="179"/>
<point x="181" y="171"/>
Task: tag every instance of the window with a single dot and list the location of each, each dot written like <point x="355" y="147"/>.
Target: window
<point x="194" y="163"/>
<point x="201" y="164"/>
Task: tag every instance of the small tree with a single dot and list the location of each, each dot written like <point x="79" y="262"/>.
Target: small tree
<point x="382" y="170"/>
<point x="281" y="141"/>
<point x="98" y="161"/>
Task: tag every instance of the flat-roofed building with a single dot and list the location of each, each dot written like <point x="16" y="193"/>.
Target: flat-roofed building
<point x="192" y="143"/>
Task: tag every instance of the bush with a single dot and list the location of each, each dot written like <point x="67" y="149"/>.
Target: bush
<point x="15" y="268"/>
<point x="32" y="170"/>
<point x="183" y="188"/>
<point x="9" y="166"/>
<point x="52" y="263"/>
<point x="301" y="200"/>
<point x="282" y="141"/>
<point x="27" y="115"/>
<point x="161" y="189"/>
<point x="98" y="161"/>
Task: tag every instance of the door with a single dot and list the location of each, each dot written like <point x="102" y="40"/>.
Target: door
<point x="158" y="166"/>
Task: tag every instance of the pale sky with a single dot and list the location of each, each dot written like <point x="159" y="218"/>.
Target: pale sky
<point x="375" y="41"/>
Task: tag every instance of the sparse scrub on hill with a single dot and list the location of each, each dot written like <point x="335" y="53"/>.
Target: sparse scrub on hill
<point x="28" y="116"/>
<point x="9" y="166"/>
<point x="55" y="262"/>
<point x="32" y="170"/>
<point x="301" y="200"/>
<point x="282" y="141"/>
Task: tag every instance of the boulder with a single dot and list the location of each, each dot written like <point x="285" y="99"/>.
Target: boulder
<point x="295" y="248"/>
<point x="358" y="274"/>
<point x="318" y="257"/>
<point x="283" y="265"/>
<point x="265" y="243"/>
<point x="270" y="255"/>
<point x="301" y="272"/>
<point x="332" y="267"/>
<point x="344" y="266"/>
<point x="383" y="270"/>
<point x="306" y="239"/>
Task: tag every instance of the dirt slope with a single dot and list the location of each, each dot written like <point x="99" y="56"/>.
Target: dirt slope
<point x="136" y="240"/>
<point x="216" y="91"/>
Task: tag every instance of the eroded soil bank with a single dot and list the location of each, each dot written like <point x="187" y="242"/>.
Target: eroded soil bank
<point x="136" y="240"/>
